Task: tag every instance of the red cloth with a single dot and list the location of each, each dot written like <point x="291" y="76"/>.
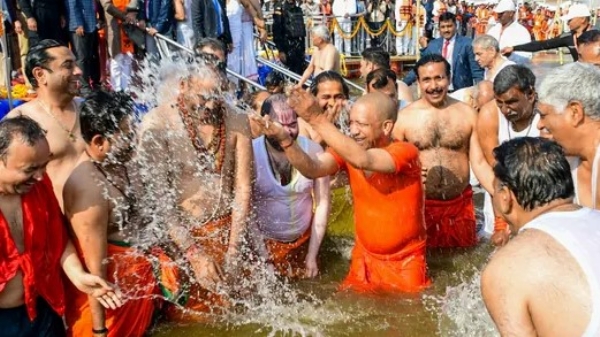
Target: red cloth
<point x="388" y="215"/>
<point x="288" y="257"/>
<point x="451" y="223"/>
<point x="133" y="273"/>
<point x="45" y="239"/>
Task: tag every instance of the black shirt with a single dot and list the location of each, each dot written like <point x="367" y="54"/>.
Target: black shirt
<point x="565" y="40"/>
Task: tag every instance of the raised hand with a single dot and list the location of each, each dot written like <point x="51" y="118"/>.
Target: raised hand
<point x="270" y="128"/>
<point x="306" y="105"/>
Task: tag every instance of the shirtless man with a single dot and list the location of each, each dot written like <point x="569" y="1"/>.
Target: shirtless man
<point x="384" y="81"/>
<point x="511" y="115"/>
<point x="545" y="281"/>
<point x="325" y="56"/>
<point x="199" y="159"/>
<point x="487" y="54"/>
<point x="444" y="130"/>
<point x="35" y="245"/>
<point x="569" y="113"/>
<point x="101" y="205"/>
<point x="52" y="70"/>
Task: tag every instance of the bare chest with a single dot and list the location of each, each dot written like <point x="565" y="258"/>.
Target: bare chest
<point x="449" y="132"/>
<point x="11" y="210"/>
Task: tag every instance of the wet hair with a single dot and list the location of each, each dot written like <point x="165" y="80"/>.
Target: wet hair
<point x="588" y="37"/>
<point x="512" y="76"/>
<point x="432" y="58"/>
<point x="102" y="112"/>
<point x="38" y="56"/>
<point x="23" y="127"/>
<point x="381" y="78"/>
<point x="274" y="79"/>
<point x="376" y="55"/>
<point x="572" y="82"/>
<point x="486" y="42"/>
<point x="327" y="76"/>
<point x="447" y="16"/>
<point x="268" y="106"/>
<point x="211" y="43"/>
<point x="535" y="170"/>
<point x="252" y="99"/>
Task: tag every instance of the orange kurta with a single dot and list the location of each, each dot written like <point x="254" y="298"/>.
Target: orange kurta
<point x="288" y="257"/>
<point x="390" y="231"/>
<point x="451" y="223"/>
<point x="133" y="273"/>
<point x="202" y="305"/>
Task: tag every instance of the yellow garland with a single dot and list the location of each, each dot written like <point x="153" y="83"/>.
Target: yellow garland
<point x="387" y="26"/>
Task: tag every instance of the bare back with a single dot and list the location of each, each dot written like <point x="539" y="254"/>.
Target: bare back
<point x="443" y="138"/>
<point x="65" y="150"/>
<point x="200" y="193"/>
<point x="326" y="59"/>
<point x="549" y="295"/>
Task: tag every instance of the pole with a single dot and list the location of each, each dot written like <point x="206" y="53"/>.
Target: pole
<point x="7" y="62"/>
<point x="418" y="25"/>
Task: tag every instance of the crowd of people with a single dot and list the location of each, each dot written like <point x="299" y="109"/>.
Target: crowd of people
<point x="169" y="214"/>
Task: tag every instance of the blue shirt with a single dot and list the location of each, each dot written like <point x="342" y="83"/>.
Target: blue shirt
<point x="81" y="13"/>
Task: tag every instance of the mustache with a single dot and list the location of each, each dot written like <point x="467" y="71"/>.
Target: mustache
<point x="435" y="91"/>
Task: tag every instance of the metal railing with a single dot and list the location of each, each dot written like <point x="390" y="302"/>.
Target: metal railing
<point x="292" y="75"/>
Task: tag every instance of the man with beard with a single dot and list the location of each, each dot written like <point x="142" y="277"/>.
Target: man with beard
<point x="445" y="132"/>
<point x="511" y="115"/>
<point x="101" y="205"/>
<point x="457" y="50"/>
<point x="544" y="282"/>
<point x="385" y="178"/>
<point x="198" y="156"/>
<point x="284" y="199"/>
<point x="35" y="245"/>
<point x="53" y="72"/>
<point x="570" y="114"/>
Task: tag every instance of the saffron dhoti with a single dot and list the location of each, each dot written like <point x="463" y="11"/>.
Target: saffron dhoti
<point x="451" y="223"/>
<point x="288" y="257"/>
<point x="132" y="271"/>
<point x="202" y="304"/>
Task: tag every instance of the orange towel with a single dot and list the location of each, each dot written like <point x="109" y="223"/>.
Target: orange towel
<point x="404" y="271"/>
<point x="202" y="304"/>
<point x="288" y="257"/>
<point x="132" y="272"/>
<point x="451" y="223"/>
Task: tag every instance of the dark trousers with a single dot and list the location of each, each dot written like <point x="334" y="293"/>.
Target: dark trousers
<point x="375" y="26"/>
<point x="48" y="26"/>
<point x="85" y="49"/>
<point x="14" y="322"/>
<point x="295" y="55"/>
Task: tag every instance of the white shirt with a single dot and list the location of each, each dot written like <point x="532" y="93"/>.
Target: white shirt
<point x="513" y="35"/>
<point x="343" y="7"/>
<point x="449" y="54"/>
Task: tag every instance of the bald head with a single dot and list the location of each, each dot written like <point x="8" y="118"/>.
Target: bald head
<point x="379" y="104"/>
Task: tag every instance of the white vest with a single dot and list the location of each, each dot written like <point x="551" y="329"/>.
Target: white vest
<point x="283" y="213"/>
<point x="579" y="233"/>
<point x="505" y="133"/>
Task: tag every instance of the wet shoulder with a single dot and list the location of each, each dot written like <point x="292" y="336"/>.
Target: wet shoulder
<point x="26" y="109"/>
<point x="82" y="183"/>
<point x="237" y="123"/>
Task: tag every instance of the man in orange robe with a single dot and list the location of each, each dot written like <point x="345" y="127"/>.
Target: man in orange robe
<point x="100" y="203"/>
<point x="385" y="178"/>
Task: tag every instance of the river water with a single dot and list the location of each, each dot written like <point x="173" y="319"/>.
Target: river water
<point x="451" y="307"/>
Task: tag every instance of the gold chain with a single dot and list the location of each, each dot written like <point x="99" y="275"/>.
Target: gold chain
<point x="48" y="110"/>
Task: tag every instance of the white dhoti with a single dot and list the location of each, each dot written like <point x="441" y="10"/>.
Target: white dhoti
<point x="249" y="68"/>
<point x="120" y="72"/>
